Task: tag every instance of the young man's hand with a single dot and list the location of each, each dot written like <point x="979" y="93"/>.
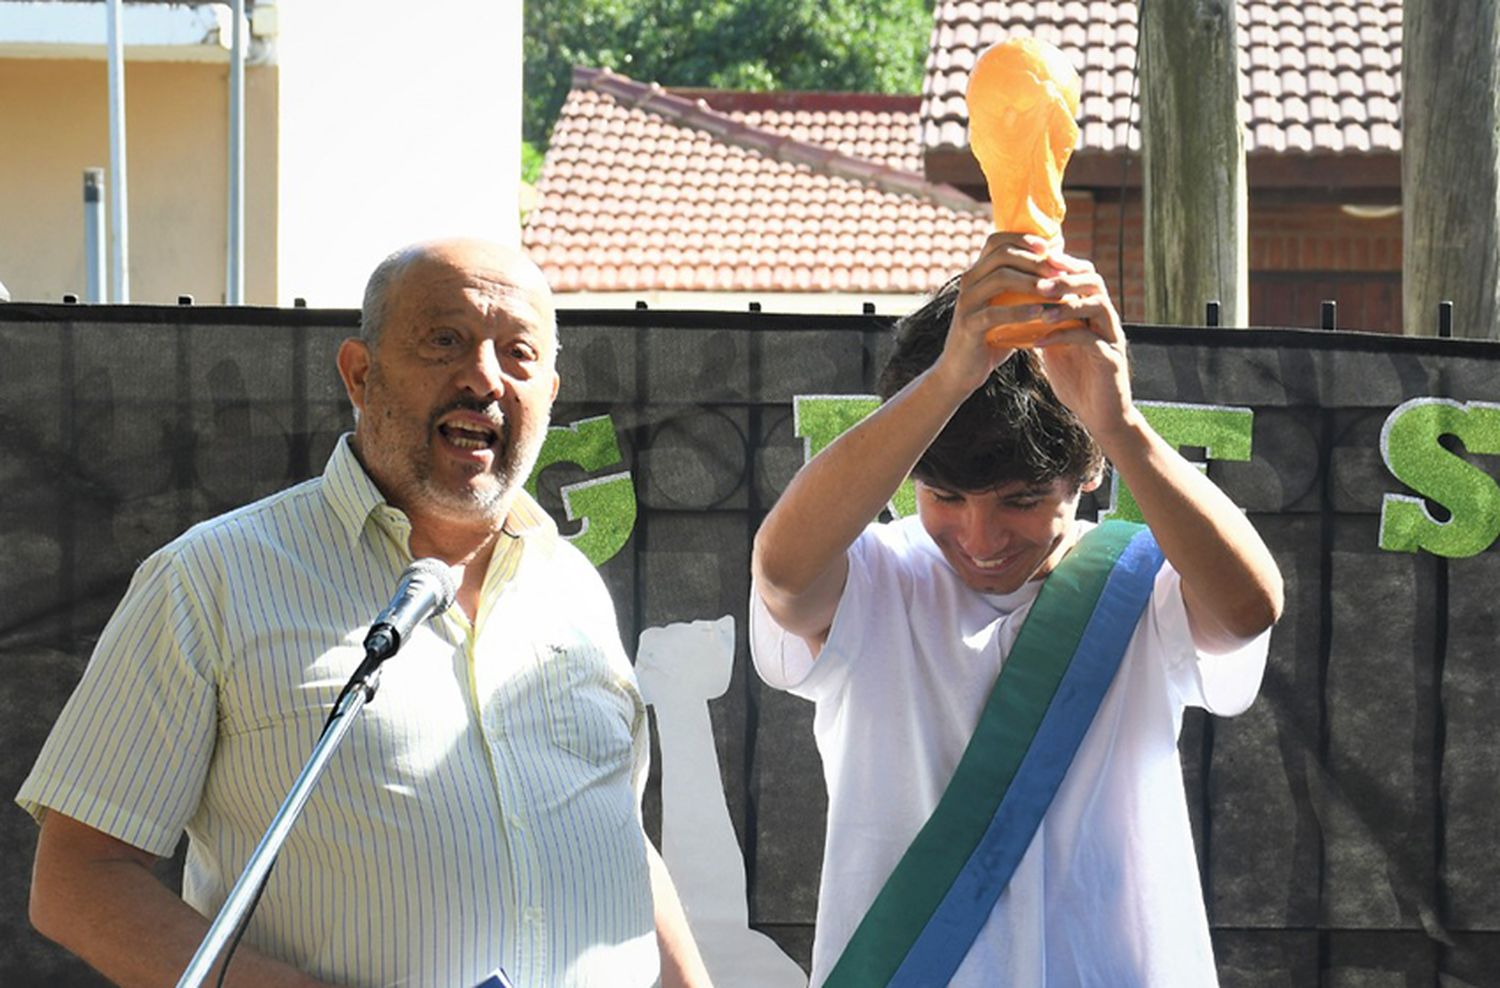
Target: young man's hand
<point x="1085" y="365"/>
<point x="1009" y="262"/>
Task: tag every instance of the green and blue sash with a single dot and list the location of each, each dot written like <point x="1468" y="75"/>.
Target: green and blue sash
<point x="926" y="917"/>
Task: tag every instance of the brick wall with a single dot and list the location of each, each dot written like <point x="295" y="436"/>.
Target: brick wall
<point x="1091" y="229"/>
<point x="1321" y="237"/>
<point x="1300" y="254"/>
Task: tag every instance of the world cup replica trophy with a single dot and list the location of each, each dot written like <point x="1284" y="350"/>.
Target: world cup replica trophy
<point x="1023" y="101"/>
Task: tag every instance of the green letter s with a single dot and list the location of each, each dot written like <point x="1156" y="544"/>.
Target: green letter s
<point x="1409" y="445"/>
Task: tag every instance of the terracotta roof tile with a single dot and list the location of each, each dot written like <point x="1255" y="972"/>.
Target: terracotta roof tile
<point x="1348" y="52"/>
<point x="743" y="192"/>
<point x="877" y="128"/>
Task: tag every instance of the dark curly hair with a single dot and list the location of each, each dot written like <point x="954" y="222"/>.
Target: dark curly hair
<point x="1011" y="428"/>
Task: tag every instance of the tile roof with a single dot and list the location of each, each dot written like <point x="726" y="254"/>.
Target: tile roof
<point x="644" y="189"/>
<point x="1317" y="76"/>
<point x="879" y="128"/>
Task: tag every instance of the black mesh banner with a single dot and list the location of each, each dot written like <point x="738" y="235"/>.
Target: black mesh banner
<point x="1347" y="824"/>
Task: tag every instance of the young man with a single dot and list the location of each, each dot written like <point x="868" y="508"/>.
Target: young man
<point x="484" y="810"/>
<point x="898" y="632"/>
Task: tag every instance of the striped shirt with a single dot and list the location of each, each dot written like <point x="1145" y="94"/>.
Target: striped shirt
<point x="483" y="811"/>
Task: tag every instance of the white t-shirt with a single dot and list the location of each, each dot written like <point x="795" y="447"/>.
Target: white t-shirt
<point x="1107" y="894"/>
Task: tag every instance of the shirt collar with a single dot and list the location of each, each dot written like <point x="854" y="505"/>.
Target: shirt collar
<point x="527" y="520"/>
<point x="350" y="492"/>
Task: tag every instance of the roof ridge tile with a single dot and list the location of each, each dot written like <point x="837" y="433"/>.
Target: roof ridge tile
<point x="698" y="114"/>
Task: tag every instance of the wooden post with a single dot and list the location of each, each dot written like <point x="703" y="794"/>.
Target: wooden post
<point x="1450" y="165"/>
<point x="1194" y="154"/>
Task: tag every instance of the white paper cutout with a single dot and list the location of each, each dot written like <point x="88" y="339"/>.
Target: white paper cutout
<point x="680" y="668"/>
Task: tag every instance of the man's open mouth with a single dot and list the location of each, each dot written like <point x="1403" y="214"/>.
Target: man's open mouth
<point x="468" y="436"/>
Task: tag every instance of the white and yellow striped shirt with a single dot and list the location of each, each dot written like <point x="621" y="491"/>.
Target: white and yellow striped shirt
<point x="482" y="812"/>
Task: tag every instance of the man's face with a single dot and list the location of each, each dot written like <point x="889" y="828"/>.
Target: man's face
<point x="996" y="540"/>
<point x="454" y="397"/>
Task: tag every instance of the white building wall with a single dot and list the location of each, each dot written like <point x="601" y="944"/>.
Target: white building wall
<point x="400" y="121"/>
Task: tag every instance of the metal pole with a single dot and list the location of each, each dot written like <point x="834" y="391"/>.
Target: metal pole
<point x="96" y="284"/>
<point x="119" y="223"/>
<point x="234" y="282"/>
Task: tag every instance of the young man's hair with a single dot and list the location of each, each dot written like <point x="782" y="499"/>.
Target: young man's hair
<point x="1012" y="428"/>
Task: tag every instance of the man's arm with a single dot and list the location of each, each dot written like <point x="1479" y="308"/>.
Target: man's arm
<point x="97" y="896"/>
<point x="681" y="963"/>
<point x="799" y="560"/>
<point x="1230" y="583"/>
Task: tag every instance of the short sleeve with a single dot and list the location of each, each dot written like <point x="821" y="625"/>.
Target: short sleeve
<point x="782" y="659"/>
<point x="1223" y="683"/>
<point x="130" y="751"/>
<point x="785" y="661"/>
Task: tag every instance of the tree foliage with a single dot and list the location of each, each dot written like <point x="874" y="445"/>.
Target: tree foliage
<point x="829" y="45"/>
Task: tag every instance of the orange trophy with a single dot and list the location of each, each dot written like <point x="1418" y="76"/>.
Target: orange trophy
<point x="1023" y="98"/>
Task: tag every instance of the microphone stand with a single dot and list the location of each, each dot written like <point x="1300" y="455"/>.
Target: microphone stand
<point x="242" y="896"/>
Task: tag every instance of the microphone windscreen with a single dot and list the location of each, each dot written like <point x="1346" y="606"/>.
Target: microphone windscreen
<point x="441" y="574"/>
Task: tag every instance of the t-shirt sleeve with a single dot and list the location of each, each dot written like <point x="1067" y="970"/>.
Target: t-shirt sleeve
<point x="130" y="751"/>
<point x="785" y="661"/>
<point x="1223" y="683"/>
<point x="781" y="658"/>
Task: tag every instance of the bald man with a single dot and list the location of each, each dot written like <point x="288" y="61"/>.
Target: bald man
<point x="483" y="814"/>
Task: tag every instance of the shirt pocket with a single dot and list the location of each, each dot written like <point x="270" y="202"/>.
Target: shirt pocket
<point x="591" y="710"/>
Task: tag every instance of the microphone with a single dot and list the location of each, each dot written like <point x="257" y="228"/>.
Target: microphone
<point x="426" y="588"/>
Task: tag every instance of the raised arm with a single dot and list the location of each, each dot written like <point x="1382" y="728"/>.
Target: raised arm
<point x="1230" y="583"/>
<point x="799" y="561"/>
<point x="98" y="897"/>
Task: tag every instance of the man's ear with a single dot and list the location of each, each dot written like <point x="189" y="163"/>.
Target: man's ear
<point x="1092" y="484"/>
<point x="556" y="381"/>
<point x="354" y="368"/>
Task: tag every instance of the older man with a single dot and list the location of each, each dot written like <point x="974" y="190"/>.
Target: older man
<point x="483" y="813"/>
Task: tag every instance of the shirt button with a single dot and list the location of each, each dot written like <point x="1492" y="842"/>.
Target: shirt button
<point x="534" y="914"/>
<point x="514" y="821"/>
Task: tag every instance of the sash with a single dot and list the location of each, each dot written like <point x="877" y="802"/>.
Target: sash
<point x="925" y="918"/>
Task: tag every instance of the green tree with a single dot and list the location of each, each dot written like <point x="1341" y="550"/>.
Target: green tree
<point x="831" y="45"/>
